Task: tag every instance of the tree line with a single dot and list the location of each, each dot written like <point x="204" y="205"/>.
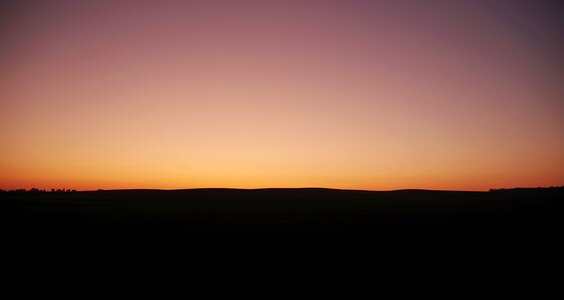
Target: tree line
<point x="36" y="190"/>
<point x="550" y="188"/>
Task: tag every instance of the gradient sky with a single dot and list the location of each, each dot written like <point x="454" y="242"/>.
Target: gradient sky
<point x="372" y="95"/>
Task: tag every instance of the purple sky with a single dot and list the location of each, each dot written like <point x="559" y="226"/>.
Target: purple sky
<point x="345" y="94"/>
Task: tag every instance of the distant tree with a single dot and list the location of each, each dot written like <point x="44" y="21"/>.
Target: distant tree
<point x="34" y="190"/>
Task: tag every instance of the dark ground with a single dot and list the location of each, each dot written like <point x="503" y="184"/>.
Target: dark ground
<point x="282" y="243"/>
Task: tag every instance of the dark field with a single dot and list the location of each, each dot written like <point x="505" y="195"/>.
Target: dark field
<point x="307" y="212"/>
<point x="281" y="243"/>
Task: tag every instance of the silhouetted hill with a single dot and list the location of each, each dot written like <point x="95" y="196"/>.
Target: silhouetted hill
<point x="281" y="243"/>
<point x="307" y="210"/>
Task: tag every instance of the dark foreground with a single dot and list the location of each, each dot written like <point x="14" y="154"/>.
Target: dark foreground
<point x="281" y="243"/>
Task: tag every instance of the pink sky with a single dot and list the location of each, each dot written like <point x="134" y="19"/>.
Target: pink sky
<point x="342" y="94"/>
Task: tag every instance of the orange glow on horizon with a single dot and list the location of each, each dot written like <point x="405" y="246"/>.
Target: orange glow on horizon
<point x="268" y="94"/>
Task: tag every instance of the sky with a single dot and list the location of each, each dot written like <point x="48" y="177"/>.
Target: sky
<point x="376" y="95"/>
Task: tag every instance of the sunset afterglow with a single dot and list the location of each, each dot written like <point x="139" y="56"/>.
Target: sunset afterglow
<point x="375" y="95"/>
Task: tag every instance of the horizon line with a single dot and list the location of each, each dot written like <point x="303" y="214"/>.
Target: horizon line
<point x="269" y="188"/>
